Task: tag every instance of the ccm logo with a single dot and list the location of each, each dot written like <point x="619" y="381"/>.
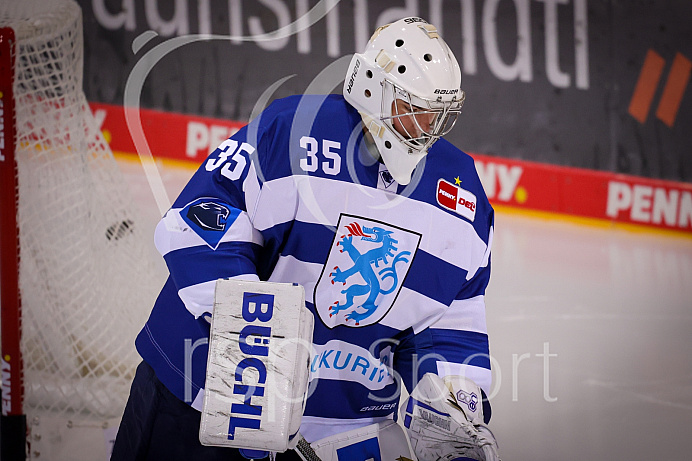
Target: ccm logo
<point x="456" y="199"/>
<point x="254" y="343"/>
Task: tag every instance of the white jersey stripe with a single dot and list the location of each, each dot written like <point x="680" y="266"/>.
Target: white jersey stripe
<point x="313" y="428"/>
<point x="480" y="376"/>
<point x="412" y="309"/>
<point x="251" y="189"/>
<point x="464" y="314"/>
<point x="199" y="298"/>
<point x="464" y="248"/>
<point x="290" y="269"/>
<point x="173" y="233"/>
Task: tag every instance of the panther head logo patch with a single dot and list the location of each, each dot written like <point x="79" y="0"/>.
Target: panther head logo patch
<point x="209" y="218"/>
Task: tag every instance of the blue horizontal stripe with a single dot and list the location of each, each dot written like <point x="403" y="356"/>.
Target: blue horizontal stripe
<point x="419" y="354"/>
<point x="199" y="264"/>
<point x="364" y="337"/>
<point x="219" y="188"/>
<point x="413" y="402"/>
<point x="476" y="286"/>
<point x="469" y="347"/>
<point x="353" y="397"/>
<point x="309" y="242"/>
<point x="273" y="244"/>
<point x="419" y="277"/>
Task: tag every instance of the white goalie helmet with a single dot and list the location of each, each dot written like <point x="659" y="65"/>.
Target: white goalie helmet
<point x="407" y="87"/>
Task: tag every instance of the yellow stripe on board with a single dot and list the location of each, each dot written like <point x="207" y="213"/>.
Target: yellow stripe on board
<point x="591" y="222"/>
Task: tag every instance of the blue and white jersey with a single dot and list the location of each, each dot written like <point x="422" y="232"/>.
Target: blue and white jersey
<point x="394" y="275"/>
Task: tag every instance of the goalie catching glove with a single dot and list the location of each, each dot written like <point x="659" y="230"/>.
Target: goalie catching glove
<point x="444" y="420"/>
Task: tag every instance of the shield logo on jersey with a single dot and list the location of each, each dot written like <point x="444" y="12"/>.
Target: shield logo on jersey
<point x="209" y="218"/>
<point x="365" y="270"/>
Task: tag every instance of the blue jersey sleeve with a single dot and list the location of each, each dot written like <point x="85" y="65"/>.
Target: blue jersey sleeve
<point x="210" y="231"/>
<point x="207" y="234"/>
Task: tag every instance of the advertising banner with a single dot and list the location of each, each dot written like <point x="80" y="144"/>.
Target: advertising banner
<point x="601" y="85"/>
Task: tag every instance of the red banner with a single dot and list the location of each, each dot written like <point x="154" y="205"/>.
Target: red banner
<point x="587" y="193"/>
<point x="514" y="183"/>
<point x="169" y="135"/>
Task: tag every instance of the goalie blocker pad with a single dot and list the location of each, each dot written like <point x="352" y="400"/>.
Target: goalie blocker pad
<point x="258" y="365"/>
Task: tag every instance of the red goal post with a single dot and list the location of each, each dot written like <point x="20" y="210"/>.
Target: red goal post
<point x="13" y="423"/>
<point x="78" y="274"/>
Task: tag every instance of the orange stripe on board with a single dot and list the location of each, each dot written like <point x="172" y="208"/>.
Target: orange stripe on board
<point x="678" y="78"/>
<point x="646" y="86"/>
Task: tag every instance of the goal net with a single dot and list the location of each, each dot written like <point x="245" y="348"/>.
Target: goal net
<point x="86" y="277"/>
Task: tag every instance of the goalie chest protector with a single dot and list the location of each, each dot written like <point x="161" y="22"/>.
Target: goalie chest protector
<point x="258" y="364"/>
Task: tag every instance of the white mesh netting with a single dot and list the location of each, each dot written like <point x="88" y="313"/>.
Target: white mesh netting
<point x="87" y="282"/>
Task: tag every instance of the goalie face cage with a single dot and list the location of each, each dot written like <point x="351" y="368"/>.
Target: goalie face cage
<point x="72" y="250"/>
